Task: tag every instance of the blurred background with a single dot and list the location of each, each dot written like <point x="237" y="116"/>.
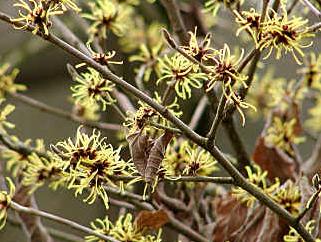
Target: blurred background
<point x="43" y="71"/>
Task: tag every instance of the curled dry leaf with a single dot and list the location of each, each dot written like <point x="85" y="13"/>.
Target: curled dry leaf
<point x="237" y="222"/>
<point x="151" y="220"/>
<point x="274" y="161"/>
<point x="147" y="153"/>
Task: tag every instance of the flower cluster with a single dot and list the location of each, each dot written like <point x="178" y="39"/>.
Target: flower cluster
<point x="7" y="79"/>
<point x="181" y="74"/>
<point x="313" y="121"/>
<point x="145" y="117"/>
<point x="289" y="197"/>
<point x="312" y="71"/>
<point x="125" y="229"/>
<point x="5" y="200"/>
<point x="104" y="59"/>
<point x="149" y="57"/>
<point x="37" y="14"/>
<point x="258" y="178"/>
<point x="90" y="163"/>
<point x="93" y="89"/>
<point x="200" y="50"/>
<point x="278" y="32"/>
<point x="267" y="91"/>
<point x="282" y="134"/>
<point x="40" y="170"/>
<point x="17" y="162"/>
<point x="86" y="111"/>
<point x="184" y="158"/>
<point x="108" y="15"/>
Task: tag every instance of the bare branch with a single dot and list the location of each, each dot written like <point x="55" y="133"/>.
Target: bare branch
<point x="61" y="113"/>
<point x="176" y="20"/>
<point x="21" y="209"/>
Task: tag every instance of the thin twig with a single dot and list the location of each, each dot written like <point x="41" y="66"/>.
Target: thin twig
<point x="217" y="120"/>
<point x="176" y="21"/>
<point x="177" y="225"/>
<point x="160" y="126"/>
<point x="314" y="28"/>
<point x="17" y="207"/>
<point x="309" y="205"/>
<point x="61" y="113"/>
<point x="53" y="232"/>
<point x="311" y="7"/>
<point x="209" y="179"/>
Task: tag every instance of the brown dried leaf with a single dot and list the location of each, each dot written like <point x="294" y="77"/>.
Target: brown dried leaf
<point x="140" y="146"/>
<point x="151" y="220"/>
<point x="148" y="154"/>
<point x="156" y="155"/>
<point x="274" y="161"/>
<point x="236" y="222"/>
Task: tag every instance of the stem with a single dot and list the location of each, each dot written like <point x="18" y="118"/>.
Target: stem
<point x="61" y="113"/>
<point x="311" y="7"/>
<point x="310" y="204"/>
<point x="72" y="224"/>
<point x="217" y="120"/>
<point x="175" y="18"/>
<point x="209" y="179"/>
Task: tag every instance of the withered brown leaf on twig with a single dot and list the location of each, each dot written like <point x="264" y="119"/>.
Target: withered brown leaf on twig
<point x="148" y="153"/>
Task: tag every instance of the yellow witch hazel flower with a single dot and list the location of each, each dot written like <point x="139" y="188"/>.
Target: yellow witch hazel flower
<point x="5" y="200"/>
<point x="125" y="229"/>
<point x="104" y="59"/>
<point x="65" y="4"/>
<point x="281" y="134"/>
<point x="258" y="178"/>
<point x="181" y="74"/>
<point x="294" y="236"/>
<point x="283" y="33"/>
<point x="149" y="35"/>
<point x="18" y="162"/>
<point x="37" y="14"/>
<point x="313" y="121"/>
<point x="225" y="71"/>
<point x="187" y="159"/>
<point x="200" y="50"/>
<point x="4" y="112"/>
<point x="289" y="197"/>
<point x="145" y="115"/>
<point x="266" y="92"/>
<point x="108" y="15"/>
<point x="312" y="71"/>
<point x="90" y="163"/>
<point x="87" y="111"/>
<point x="40" y="170"/>
<point x="148" y="56"/>
<point x="7" y="81"/>
<point x="92" y="88"/>
<point x="249" y="21"/>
